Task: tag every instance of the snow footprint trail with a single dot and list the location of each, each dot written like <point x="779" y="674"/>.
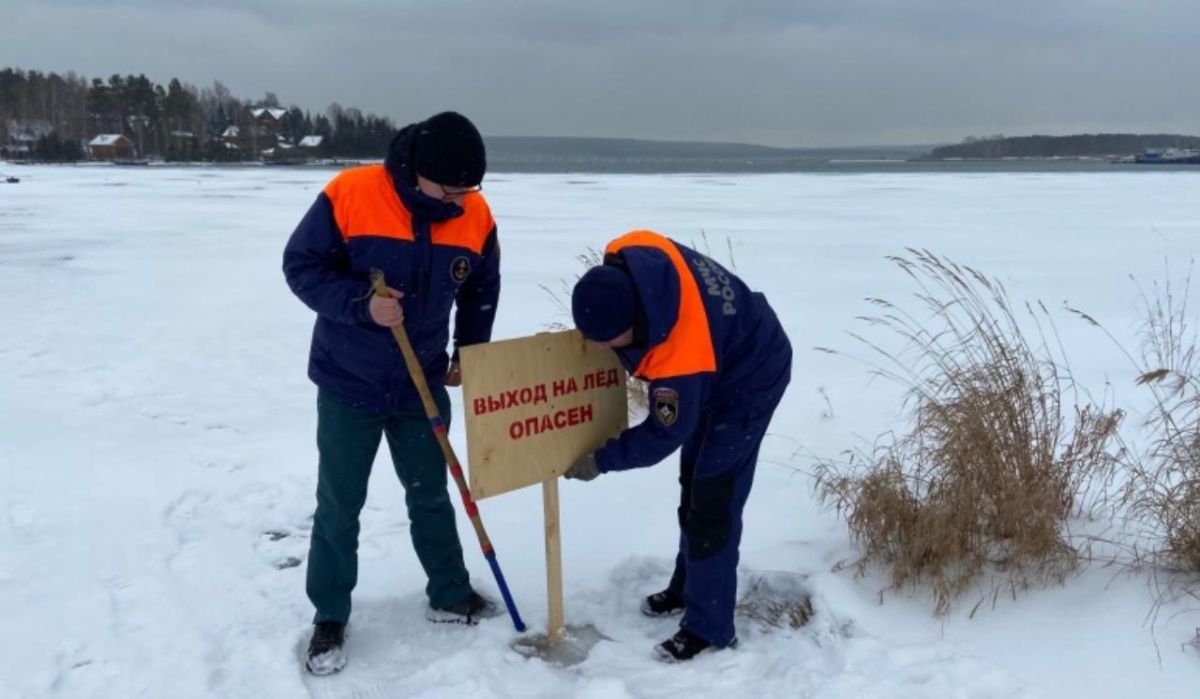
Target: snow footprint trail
<point x="230" y="581"/>
<point x="282" y="549"/>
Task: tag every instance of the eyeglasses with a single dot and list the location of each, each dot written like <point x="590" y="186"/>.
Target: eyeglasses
<point x="460" y="191"/>
<point x="453" y="192"/>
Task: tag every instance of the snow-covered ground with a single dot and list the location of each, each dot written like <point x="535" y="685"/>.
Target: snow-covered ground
<point x="157" y="456"/>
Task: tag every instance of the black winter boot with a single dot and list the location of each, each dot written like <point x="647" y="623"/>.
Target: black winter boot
<point x="469" y="611"/>
<point x="685" y="645"/>
<point x="326" y="649"/>
<point x="665" y="603"/>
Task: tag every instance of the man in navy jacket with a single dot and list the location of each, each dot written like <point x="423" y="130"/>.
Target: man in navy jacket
<point x="717" y="361"/>
<point x="419" y="218"/>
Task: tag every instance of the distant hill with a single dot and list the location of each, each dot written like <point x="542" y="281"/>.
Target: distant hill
<point x="562" y="154"/>
<point x="1082" y="145"/>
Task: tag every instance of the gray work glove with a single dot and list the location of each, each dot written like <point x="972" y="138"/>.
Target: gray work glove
<point x="583" y="470"/>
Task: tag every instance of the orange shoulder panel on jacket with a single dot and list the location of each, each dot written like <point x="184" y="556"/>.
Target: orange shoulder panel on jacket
<point x="470" y="230"/>
<point x="688" y="348"/>
<point x="365" y="203"/>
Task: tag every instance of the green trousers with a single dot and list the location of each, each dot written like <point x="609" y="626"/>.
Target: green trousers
<point x="348" y="440"/>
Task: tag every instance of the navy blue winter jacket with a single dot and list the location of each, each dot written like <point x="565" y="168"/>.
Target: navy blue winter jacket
<point x="436" y="253"/>
<point x="706" y="343"/>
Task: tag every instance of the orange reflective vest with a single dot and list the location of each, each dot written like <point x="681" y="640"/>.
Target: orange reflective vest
<point x="365" y="203"/>
<point x="688" y="348"/>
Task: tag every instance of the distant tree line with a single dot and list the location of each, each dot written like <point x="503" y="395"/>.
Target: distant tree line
<point x="1083" y="145"/>
<point x="177" y="121"/>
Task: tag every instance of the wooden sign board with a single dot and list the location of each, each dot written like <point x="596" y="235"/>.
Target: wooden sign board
<point x="535" y="405"/>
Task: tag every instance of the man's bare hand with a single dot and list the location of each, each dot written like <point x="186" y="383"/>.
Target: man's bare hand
<point x="387" y="311"/>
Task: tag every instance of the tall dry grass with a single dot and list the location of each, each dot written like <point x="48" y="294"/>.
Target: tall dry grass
<point x="1166" y="484"/>
<point x="1001" y="446"/>
<point x="1162" y="495"/>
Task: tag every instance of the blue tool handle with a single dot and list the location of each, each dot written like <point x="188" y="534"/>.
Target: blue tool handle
<point x="508" y="600"/>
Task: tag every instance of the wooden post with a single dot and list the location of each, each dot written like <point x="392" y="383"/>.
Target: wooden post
<point x="534" y="406"/>
<point x="554" y="589"/>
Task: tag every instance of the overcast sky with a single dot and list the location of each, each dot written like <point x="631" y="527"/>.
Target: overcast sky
<point x="800" y="73"/>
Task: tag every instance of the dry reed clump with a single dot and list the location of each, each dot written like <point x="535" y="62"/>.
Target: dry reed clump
<point x="1000" y="452"/>
<point x="1165" y="487"/>
<point x="1163" y="490"/>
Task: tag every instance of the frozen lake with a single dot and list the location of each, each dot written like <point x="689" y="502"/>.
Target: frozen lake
<point x="157" y="456"/>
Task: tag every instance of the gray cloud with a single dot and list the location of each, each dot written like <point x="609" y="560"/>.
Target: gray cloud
<point x="822" y="72"/>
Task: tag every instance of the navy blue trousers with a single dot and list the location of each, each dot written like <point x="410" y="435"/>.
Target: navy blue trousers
<point x="716" y="473"/>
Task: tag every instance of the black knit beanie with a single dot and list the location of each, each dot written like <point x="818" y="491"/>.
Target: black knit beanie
<point x="448" y="149"/>
<point x="604" y="303"/>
